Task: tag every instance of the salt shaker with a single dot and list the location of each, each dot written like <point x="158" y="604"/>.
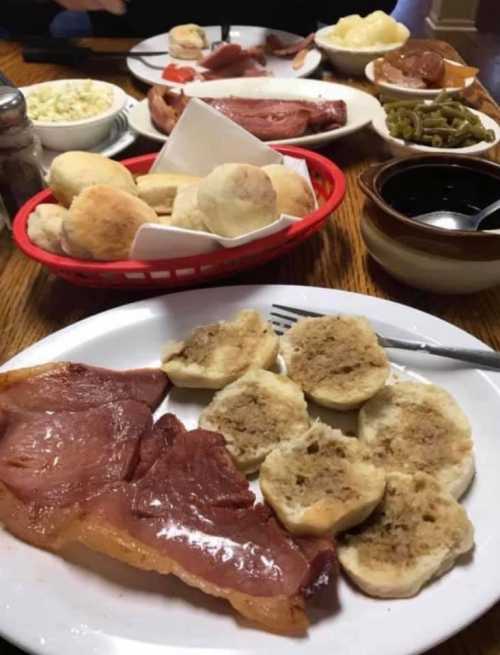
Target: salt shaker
<point x="20" y="151"/>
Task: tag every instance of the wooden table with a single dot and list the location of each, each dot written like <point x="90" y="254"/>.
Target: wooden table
<point x="34" y="304"/>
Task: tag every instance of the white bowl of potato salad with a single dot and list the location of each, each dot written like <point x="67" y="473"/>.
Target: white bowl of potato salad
<point x="354" y="40"/>
<point x="73" y="114"/>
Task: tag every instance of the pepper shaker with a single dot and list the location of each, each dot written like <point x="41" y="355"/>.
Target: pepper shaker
<point x="20" y="151"/>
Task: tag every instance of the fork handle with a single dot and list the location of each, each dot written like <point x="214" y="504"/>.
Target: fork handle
<point x="482" y="358"/>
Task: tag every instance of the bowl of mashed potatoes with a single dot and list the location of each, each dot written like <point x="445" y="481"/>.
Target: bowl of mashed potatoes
<point x="354" y="40"/>
<point x="73" y="114"/>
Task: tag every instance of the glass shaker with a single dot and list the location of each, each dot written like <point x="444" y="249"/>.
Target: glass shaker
<point x="20" y="152"/>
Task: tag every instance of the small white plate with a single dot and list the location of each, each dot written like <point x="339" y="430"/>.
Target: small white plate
<point x="398" y="146"/>
<point x="120" y="136"/>
<point x="87" y="604"/>
<point x="362" y="107"/>
<point x="149" y="69"/>
<point x="396" y="89"/>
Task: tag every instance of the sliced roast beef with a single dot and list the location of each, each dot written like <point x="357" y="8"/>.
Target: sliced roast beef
<point x="266" y="119"/>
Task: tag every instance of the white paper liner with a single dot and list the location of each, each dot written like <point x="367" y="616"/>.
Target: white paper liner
<point x="203" y="139"/>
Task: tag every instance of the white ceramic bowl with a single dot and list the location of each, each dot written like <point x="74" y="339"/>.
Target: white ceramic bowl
<point x="398" y="147"/>
<point x="398" y="91"/>
<point x="81" y="134"/>
<point x="351" y="61"/>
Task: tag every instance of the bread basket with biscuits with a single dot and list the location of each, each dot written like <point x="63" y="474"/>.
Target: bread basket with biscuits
<point x="168" y="220"/>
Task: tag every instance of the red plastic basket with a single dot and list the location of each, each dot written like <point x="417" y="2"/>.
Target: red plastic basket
<point x="328" y="181"/>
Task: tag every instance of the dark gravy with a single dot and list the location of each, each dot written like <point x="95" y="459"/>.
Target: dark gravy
<point x="421" y="189"/>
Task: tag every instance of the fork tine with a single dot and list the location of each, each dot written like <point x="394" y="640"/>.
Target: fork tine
<point x="298" y="311"/>
<point x="278" y="328"/>
<point x="287" y="318"/>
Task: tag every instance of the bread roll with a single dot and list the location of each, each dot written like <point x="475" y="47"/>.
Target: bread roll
<point x="410" y="426"/>
<point x="187" y="41"/>
<point x="294" y="195"/>
<point x="321" y="482"/>
<point x="72" y="172"/>
<point x="158" y="190"/>
<point x="185" y="211"/>
<point x="237" y="199"/>
<point x="336" y="360"/>
<point x="416" y="534"/>
<point x="215" y="355"/>
<point x="45" y="226"/>
<point x="102" y="223"/>
<point x="255" y="414"/>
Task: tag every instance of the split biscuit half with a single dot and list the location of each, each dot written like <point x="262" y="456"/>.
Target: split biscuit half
<point x="322" y="482"/>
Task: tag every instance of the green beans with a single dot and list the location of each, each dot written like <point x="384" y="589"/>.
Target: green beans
<point x="442" y="123"/>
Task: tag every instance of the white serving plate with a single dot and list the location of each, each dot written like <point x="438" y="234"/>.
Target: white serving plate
<point x="400" y="147"/>
<point x="362" y="108"/>
<point x="149" y="69"/>
<point x="87" y="604"/>
<point x="398" y="90"/>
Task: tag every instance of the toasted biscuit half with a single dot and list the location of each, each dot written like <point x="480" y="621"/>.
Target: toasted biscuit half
<point x="215" y="355"/>
<point x="416" y="534"/>
<point x="321" y="482"/>
<point x="256" y="413"/>
<point x="336" y="360"/>
<point x="412" y="427"/>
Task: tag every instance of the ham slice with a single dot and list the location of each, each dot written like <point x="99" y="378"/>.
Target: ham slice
<point x="266" y="119"/>
<point x="86" y="466"/>
<point x="231" y="60"/>
<point x="67" y="431"/>
<point x="275" y="45"/>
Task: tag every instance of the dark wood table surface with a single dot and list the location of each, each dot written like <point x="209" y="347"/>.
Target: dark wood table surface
<point x="33" y="303"/>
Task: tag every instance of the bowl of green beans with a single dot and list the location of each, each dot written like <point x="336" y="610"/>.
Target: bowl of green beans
<point x="444" y="125"/>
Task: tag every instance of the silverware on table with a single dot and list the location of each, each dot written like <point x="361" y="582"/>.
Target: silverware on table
<point x="481" y="358"/>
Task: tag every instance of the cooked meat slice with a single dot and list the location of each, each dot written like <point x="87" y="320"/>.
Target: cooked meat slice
<point x="276" y="46"/>
<point x="72" y="387"/>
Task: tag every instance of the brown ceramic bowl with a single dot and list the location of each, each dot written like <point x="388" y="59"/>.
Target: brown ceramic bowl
<point x="444" y="261"/>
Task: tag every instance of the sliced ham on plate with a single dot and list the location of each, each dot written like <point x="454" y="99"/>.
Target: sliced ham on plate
<point x="81" y="462"/>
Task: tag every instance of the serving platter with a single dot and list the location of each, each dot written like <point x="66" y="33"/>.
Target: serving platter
<point x="149" y="69"/>
<point x="362" y="108"/>
<point x="86" y="603"/>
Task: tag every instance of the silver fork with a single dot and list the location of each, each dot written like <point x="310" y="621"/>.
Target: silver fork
<point x="481" y="358"/>
<point x="225" y="31"/>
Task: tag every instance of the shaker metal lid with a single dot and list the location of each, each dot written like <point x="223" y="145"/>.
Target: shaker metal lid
<point x="12" y="106"/>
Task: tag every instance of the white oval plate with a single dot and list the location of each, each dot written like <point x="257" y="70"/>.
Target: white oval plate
<point x="362" y="107"/>
<point x="415" y="93"/>
<point x="399" y="146"/>
<point x="87" y="603"/>
<point x="149" y="69"/>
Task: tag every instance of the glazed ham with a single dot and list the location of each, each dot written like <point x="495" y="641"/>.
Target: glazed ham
<point x="95" y="471"/>
<point x="266" y="119"/>
<point x="276" y="46"/>
<point x="231" y="60"/>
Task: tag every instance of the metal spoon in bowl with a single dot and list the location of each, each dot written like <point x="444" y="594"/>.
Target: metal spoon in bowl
<point x="456" y="220"/>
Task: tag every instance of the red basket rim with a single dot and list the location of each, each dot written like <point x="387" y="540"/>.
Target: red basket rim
<point x="62" y="262"/>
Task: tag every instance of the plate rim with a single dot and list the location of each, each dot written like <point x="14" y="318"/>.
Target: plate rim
<point x="137" y="311"/>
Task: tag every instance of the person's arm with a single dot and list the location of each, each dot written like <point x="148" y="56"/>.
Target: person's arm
<point x="113" y="6"/>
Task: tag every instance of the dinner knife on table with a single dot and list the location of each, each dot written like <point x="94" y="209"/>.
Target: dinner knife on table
<point x="65" y="52"/>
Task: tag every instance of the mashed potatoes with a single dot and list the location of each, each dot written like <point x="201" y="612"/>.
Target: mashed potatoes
<point x="376" y="29"/>
<point x="69" y="102"/>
